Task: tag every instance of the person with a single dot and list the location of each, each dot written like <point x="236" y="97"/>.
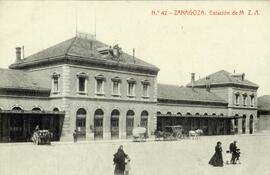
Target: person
<point x="235" y="152"/>
<point x="217" y="159"/>
<point x="119" y="161"/>
<point x="75" y="136"/>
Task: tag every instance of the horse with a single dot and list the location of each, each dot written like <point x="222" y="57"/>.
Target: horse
<point x="195" y="134"/>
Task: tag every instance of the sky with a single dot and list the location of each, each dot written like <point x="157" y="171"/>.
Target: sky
<point x="177" y="44"/>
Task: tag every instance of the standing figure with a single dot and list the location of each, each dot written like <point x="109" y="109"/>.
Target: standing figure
<point x="75" y="136"/>
<point x="119" y="161"/>
<point x="217" y="159"/>
<point x="235" y="152"/>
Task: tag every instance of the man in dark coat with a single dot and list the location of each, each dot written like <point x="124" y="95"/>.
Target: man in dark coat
<point x="235" y="152"/>
<point x="217" y="159"/>
<point x="119" y="161"/>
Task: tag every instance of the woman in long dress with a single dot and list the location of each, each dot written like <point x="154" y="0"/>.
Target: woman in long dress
<point x="119" y="161"/>
<point x="217" y="159"/>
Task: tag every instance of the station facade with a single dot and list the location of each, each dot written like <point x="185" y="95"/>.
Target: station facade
<point x="85" y="85"/>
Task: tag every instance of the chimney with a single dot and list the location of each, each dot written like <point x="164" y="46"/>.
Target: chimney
<point x="208" y="84"/>
<point x="243" y="76"/>
<point x="18" y="54"/>
<point x="192" y="80"/>
<point x="133" y="55"/>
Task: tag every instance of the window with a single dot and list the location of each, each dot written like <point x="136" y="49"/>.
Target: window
<point x="100" y="84"/>
<point x="252" y="100"/>
<point x="145" y="89"/>
<point x="244" y="99"/>
<point x="237" y="99"/>
<point x="55" y="83"/>
<point x="82" y="83"/>
<point x="116" y="86"/>
<point x="131" y="87"/>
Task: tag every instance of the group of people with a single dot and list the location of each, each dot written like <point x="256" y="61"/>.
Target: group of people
<point x="122" y="162"/>
<point x="217" y="158"/>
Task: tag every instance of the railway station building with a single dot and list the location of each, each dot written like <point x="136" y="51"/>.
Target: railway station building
<point x="103" y="93"/>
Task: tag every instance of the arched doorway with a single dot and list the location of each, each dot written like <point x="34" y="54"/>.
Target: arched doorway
<point x="115" y="124"/>
<point x="98" y="124"/>
<point x="244" y="124"/>
<point x="251" y="124"/>
<point x="236" y="124"/>
<point x="80" y="122"/>
<point x="130" y="123"/>
<point x="144" y="119"/>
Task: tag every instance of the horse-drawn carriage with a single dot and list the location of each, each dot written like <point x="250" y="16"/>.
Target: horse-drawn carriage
<point x="170" y="133"/>
<point x="139" y="134"/>
<point x="41" y="137"/>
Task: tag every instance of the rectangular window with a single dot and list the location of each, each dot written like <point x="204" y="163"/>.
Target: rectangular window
<point x="252" y="100"/>
<point x="55" y="85"/>
<point x="116" y="88"/>
<point x="99" y="89"/>
<point x="145" y="90"/>
<point x="81" y="84"/>
<point x="237" y="99"/>
<point x="131" y="89"/>
<point x="244" y="100"/>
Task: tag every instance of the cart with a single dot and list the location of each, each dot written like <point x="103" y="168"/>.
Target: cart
<point x="139" y="134"/>
<point x="41" y="137"/>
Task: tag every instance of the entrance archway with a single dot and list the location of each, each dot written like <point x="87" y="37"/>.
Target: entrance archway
<point x="115" y="124"/>
<point x="130" y="123"/>
<point x="80" y="122"/>
<point x="244" y="124"/>
<point x="144" y="119"/>
<point x="98" y="124"/>
<point x="251" y="124"/>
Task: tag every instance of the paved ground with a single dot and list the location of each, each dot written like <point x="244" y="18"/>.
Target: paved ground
<point x="188" y="157"/>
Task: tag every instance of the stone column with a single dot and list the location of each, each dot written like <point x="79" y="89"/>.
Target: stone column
<point x="240" y="126"/>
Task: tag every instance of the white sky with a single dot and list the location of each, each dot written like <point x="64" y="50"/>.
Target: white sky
<point x="178" y="45"/>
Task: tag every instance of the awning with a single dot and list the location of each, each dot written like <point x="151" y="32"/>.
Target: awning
<point x="31" y="112"/>
<point x="199" y="116"/>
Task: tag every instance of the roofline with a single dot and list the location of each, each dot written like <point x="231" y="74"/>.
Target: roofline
<point x="25" y="89"/>
<point x="228" y="84"/>
<point x="186" y="101"/>
<point x="68" y="58"/>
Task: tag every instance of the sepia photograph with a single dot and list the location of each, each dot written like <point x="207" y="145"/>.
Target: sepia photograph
<point x="134" y="87"/>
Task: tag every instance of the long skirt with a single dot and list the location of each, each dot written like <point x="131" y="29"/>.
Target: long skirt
<point x="216" y="160"/>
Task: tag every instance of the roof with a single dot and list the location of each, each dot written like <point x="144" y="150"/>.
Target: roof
<point x="18" y="79"/>
<point x="83" y="49"/>
<point x="181" y="93"/>
<point x="264" y="103"/>
<point x="224" y="78"/>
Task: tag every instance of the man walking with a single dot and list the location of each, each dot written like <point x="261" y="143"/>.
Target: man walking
<point x="235" y="152"/>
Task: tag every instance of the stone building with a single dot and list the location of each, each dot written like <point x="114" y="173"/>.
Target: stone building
<point x="102" y="92"/>
<point x="79" y="84"/>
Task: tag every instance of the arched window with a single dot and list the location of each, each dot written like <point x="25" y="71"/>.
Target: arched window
<point x="98" y="124"/>
<point x="55" y="109"/>
<point x="251" y="124"/>
<point x="130" y="122"/>
<point x="179" y="113"/>
<point x="17" y="108"/>
<point x="205" y="114"/>
<point x="115" y="124"/>
<point x="197" y="114"/>
<point x="169" y="113"/>
<point x="144" y="119"/>
<point x="158" y="113"/>
<point x="188" y="113"/>
<point x="244" y="124"/>
<point x="36" y="109"/>
<point x="80" y="122"/>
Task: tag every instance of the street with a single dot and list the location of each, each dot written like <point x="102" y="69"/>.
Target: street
<point x="189" y="157"/>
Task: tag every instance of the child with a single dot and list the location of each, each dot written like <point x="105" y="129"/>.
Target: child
<point x="128" y="167"/>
